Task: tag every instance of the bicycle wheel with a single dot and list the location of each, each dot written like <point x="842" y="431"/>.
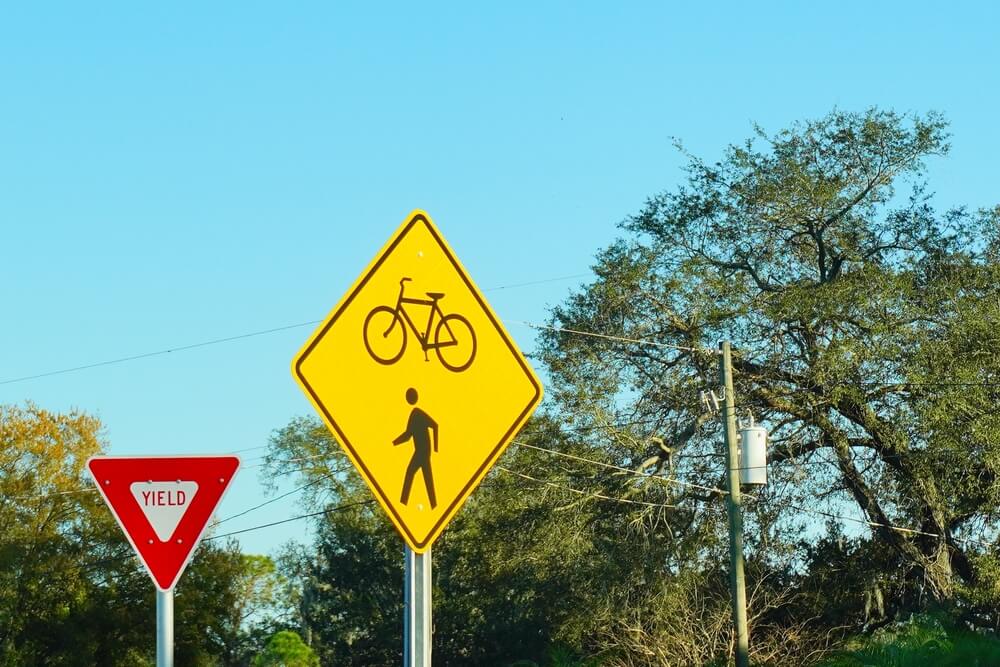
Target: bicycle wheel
<point x="385" y="335"/>
<point x="455" y="342"/>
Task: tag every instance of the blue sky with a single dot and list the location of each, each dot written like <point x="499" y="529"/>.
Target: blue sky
<point x="180" y="173"/>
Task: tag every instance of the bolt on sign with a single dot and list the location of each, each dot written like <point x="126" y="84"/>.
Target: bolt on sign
<point x="163" y="504"/>
<point x="418" y="380"/>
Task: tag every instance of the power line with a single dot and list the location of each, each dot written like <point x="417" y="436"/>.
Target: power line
<point x="589" y="494"/>
<point x="592" y="494"/>
<point x="294" y="518"/>
<point x="252" y="334"/>
<point x="277" y="498"/>
<point x="55" y="494"/>
<point x="146" y="355"/>
<point x="248" y="449"/>
<point x="548" y="483"/>
<point x="345" y="506"/>
<point x="359" y="503"/>
<point x="875" y="524"/>
<point x="532" y="325"/>
<point x="228" y="339"/>
<point x="537" y="282"/>
<point x="721" y="492"/>
<point x="581" y="459"/>
<point x="266" y="463"/>
<point x="619" y="339"/>
<point x="89" y="489"/>
<point x="668" y="480"/>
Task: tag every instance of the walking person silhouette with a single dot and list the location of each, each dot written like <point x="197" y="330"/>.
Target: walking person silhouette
<point x="418" y="428"/>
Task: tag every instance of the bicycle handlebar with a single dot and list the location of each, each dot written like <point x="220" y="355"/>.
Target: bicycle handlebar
<point x="403" y="280"/>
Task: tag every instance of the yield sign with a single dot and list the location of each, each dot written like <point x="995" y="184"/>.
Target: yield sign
<point x="163" y="503"/>
<point x="418" y="380"/>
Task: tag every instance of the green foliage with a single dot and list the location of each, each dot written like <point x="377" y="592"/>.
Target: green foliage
<point x="559" y="656"/>
<point x="71" y="590"/>
<point x="528" y="572"/>
<point x="352" y="599"/>
<point x="60" y="557"/>
<point x="922" y="641"/>
<point x="501" y="584"/>
<point x="863" y="323"/>
<point x="862" y="320"/>
<point x="238" y="600"/>
<point x="286" y="649"/>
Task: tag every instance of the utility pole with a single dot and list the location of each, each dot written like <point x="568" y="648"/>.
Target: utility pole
<point x="737" y="584"/>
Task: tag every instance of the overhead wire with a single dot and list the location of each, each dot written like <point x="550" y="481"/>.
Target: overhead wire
<point x="297" y="459"/>
<point x="875" y="524"/>
<point x="277" y="498"/>
<point x="228" y="339"/>
<point x="611" y="466"/>
<point x="248" y="449"/>
<point x="722" y="492"/>
<point x="532" y="325"/>
<point x="146" y="355"/>
<point x="541" y="281"/>
<point x="68" y="492"/>
<point x="622" y="339"/>
<point x="88" y="489"/>
<point x="601" y="496"/>
<point x="670" y="480"/>
<point x="210" y="538"/>
<point x="294" y="518"/>
<point x="619" y="339"/>
<point x="589" y="494"/>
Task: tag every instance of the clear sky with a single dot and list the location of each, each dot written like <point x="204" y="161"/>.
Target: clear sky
<point x="184" y="172"/>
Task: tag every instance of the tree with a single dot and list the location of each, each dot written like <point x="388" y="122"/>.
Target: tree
<point x="864" y="323"/>
<point x="286" y="649"/>
<point x="250" y="604"/>
<point x="49" y="531"/>
<point x="350" y="580"/>
<point x="527" y="568"/>
<point x="71" y="590"/>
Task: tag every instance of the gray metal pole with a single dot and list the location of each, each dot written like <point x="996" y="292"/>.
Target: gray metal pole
<point x="737" y="583"/>
<point x="164" y="628"/>
<point x="417" y="622"/>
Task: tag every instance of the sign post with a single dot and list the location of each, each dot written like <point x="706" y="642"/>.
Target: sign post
<point x="418" y="381"/>
<point x="417" y="614"/>
<point x="163" y="504"/>
<point x="165" y="628"/>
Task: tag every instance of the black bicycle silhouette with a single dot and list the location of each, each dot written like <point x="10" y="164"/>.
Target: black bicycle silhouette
<point x="454" y="340"/>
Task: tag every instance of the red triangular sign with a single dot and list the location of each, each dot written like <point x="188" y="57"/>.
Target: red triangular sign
<point x="163" y="503"/>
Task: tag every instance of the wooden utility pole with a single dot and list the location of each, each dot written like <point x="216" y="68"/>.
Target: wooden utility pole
<point x="737" y="583"/>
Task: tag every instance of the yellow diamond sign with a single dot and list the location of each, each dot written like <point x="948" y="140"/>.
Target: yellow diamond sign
<point x="416" y="377"/>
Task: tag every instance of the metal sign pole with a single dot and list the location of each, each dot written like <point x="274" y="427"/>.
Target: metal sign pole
<point x="417" y="615"/>
<point x="164" y="628"/>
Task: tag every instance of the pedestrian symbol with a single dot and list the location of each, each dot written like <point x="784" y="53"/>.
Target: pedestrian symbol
<point x="418" y="380"/>
<point x="419" y="429"/>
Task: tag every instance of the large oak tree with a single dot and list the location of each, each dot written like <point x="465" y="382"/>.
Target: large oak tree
<point x="865" y="325"/>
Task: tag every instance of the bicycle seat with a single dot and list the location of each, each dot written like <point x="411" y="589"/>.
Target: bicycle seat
<point x="435" y="295"/>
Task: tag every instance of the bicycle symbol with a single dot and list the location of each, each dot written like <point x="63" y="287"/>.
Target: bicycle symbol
<point x="454" y="340"/>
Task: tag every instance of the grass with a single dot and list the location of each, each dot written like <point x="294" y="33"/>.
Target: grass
<point x="923" y="641"/>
